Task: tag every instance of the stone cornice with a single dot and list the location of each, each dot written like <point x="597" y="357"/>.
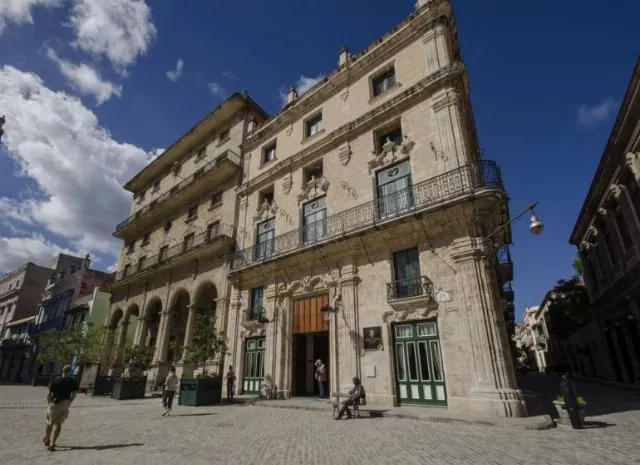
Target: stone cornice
<point x="338" y="136"/>
<point x="407" y="31"/>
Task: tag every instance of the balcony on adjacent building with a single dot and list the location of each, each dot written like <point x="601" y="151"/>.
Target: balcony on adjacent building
<point x="54" y="323"/>
<point x="410" y="293"/>
<point x="195" y="186"/>
<point x="19" y="342"/>
<point x="450" y="186"/>
<point x="219" y="237"/>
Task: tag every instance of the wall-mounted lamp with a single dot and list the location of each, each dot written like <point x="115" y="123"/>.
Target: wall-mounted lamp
<point x="327" y="310"/>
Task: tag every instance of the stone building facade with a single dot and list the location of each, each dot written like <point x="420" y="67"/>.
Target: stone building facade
<point x="607" y="235"/>
<point x="20" y="294"/>
<point x="178" y="237"/>
<point x="362" y="218"/>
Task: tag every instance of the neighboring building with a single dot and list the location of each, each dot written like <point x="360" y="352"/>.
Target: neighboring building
<point x="20" y="293"/>
<point x="92" y="307"/>
<point x="178" y="236"/>
<point x="535" y="320"/>
<point x="360" y="241"/>
<point x="70" y="278"/>
<point x="607" y="234"/>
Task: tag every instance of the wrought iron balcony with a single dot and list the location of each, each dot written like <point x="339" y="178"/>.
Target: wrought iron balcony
<point x="220" y="232"/>
<point x="407" y="293"/>
<point x="55" y="323"/>
<point x="505" y="265"/>
<point x="254" y="317"/>
<point x="228" y="159"/>
<point x="507" y="293"/>
<point x="460" y="182"/>
<point x="20" y="342"/>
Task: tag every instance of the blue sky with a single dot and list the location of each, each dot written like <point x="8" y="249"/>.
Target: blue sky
<point x="546" y="84"/>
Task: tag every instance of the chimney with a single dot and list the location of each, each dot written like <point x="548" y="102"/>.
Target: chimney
<point x="292" y="95"/>
<point x="344" y="56"/>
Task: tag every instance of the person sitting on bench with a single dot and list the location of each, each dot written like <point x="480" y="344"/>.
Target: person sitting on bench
<point x="355" y="395"/>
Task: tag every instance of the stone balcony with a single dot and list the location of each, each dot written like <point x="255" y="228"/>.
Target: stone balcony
<point x="254" y="318"/>
<point x="409" y="294"/>
<point x="178" y="197"/>
<point x="456" y="184"/>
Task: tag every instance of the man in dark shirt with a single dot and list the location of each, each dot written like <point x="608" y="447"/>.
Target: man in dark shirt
<point x="61" y="393"/>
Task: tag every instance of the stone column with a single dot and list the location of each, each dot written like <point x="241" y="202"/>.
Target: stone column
<point x="493" y="387"/>
<point x="122" y="337"/>
<point x="162" y="341"/>
<point x="143" y="329"/>
<point x="348" y="365"/>
<point x="271" y="349"/>
<point x="191" y="320"/>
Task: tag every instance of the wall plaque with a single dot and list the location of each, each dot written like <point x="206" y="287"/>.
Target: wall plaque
<point x="372" y="338"/>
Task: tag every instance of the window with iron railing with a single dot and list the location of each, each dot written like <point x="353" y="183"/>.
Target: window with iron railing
<point x="395" y="193"/>
<point x="162" y="254"/>
<point x="314" y="220"/>
<point x="255" y="309"/>
<point x="265" y="239"/>
<point x="406" y="267"/>
<point x="213" y="230"/>
<point x="187" y="243"/>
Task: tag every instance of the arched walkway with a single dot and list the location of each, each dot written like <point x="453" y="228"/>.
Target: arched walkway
<point x="205" y="300"/>
<point x="177" y="328"/>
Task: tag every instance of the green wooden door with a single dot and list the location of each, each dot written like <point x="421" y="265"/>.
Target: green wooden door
<point x="419" y="371"/>
<point x="253" y="365"/>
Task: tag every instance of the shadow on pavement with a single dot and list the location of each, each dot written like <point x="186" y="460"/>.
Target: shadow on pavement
<point x="108" y="446"/>
<point x="194" y="414"/>
<point x="596" y="424"/>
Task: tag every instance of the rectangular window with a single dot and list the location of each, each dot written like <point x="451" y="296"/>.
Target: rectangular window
<point x="141" y="263"/>
<point x="156" y="186"/>
<point x="131" y="246"/>
<point x="187" y="243"/>
<point x="216" y="198"/>
<point x="406" y="268"/>
<point x="177" y="167"/>
<point x="146" y="238"/>
<point x="224" y="135"/>
<point x="125" y="271"/>
<point x="193" y="213"/>
<point x="394" y="135"/>
<point x="314" y="221"/>
<point x="269" y="153"/>
<point x="313" y="172"/>
<point x="313" y="125"/>
<point x="142" y="195"/>
<point x="395" y="193"/>
<point x="257" y="294"/>
<point x="202" y="153"/>
<point x="384" y="82"/>
<point x="265" y="239"/>
<point x="162" y="255"/>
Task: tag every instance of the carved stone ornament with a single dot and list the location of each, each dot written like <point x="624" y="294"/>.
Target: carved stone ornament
<point x="310" y="284"/>
<point x="266" y="210"/>
<point x="314" y="188"/>
<point x="344" y="95"/>
<point x="592" y="231"/>
<point x="430" y="311"/>
<point x="584" y="245"/>
<point x="287" y="183"/>
<point x="344" y="154"/>
<point x="616" y="190"/>
<point x="633" y="162"/>
<point x="390" y="153"/>
<point x="290" y="130"/>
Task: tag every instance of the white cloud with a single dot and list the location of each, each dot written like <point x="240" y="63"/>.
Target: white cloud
<point x="121" y="30"/>
<point x="75" y="163"/>
<point x="19" y="11"/>
<point x="592" y="115"/>
<point x="229" y="75"/>
<point x="216" y="89"/>
<point x="16" y="251"/>
<point x="175" y="74"/>
<point x="302" y="85"/>
<point x="85" y="79"/>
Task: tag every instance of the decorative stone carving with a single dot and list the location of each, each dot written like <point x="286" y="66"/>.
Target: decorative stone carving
<point x="390" y="153"/>
<point x="314" y="188"/>
<point x="603" y="211"/>
<point x="633" y="162"/>
<point x="616" y="190"/>
<point x="287" y="183"/>
<point x="265" y="211"/>
<point x="438" y="153"/>
<point x="430" y="311"/>
<point x="310" y="284"/>
<point x="344" y="95"/>
<point x="289" y="130"/>
<point x="344" y="154"/>
<point x="593" y="231"/>
<point x="584" y="245"/>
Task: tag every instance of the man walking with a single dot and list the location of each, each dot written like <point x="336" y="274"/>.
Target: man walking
<point x="170" y="388"/>
<point x="62" y="391"/>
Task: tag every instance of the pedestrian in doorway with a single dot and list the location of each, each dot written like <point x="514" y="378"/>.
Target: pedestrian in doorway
<point x="321" y="376"/>
<point x="62" y="391"/>
<point x="231" y="382"/>
<point x="170" y="388"/>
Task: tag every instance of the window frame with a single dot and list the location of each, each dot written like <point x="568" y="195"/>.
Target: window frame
<point x="382" y="77"/>
<point x="270" y="148"/>
<point x="313" y="120"/>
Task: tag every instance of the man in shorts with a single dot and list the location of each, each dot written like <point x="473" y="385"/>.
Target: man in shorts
<point x="61" y="393"/>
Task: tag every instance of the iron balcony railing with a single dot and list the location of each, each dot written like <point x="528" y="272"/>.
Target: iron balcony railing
<point x="459" y="182"/>
<point x="412" y="287"/>
<point x="54" y="323"/>
<point x="255" y="314"/>
<point x="167" y="254"/>
<point x="18" y="342"/>
<point x="228" y="156"/>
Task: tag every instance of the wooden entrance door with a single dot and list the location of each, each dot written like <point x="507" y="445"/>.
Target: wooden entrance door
<point x="307" y="317"/>
<point x="419" y="371"/>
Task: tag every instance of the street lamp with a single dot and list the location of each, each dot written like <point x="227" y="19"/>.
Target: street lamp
<point x="326" y="311"/>
<point x="535" y="225"/>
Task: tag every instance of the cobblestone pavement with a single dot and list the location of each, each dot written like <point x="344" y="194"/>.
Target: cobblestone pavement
<point x="105" y="431"/>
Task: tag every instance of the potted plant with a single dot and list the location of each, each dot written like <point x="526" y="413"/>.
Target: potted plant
<point x="105" y="356"/>
<point x="563" y="415"/>
<point x="206" y="344"/>
<point x="137" y="359"/>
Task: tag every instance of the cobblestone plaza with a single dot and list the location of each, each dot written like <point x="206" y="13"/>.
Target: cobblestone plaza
<point x="105" y="431"/>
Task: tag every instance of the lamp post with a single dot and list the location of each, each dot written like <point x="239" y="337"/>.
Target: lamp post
<point x="535" y="225"/>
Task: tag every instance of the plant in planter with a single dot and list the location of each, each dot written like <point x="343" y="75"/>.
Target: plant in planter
<point x="137" y="359"/>
<point x="206" y="344"/>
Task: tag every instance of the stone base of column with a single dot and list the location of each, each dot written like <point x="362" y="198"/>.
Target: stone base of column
<point x="160" y="373"/>
<point x="490" y="402"/>
<point x="284" y="394"/>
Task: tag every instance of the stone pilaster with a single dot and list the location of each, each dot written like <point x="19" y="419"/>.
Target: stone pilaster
<point x="191" y="320"/>
<point x="347" y="327"/>
<point x="142" y="331"/>
<point x="122" y="338"/>
<point x="281" y="343"/>
<point x="493" y="383"/>
<point x="162" y="342"/>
